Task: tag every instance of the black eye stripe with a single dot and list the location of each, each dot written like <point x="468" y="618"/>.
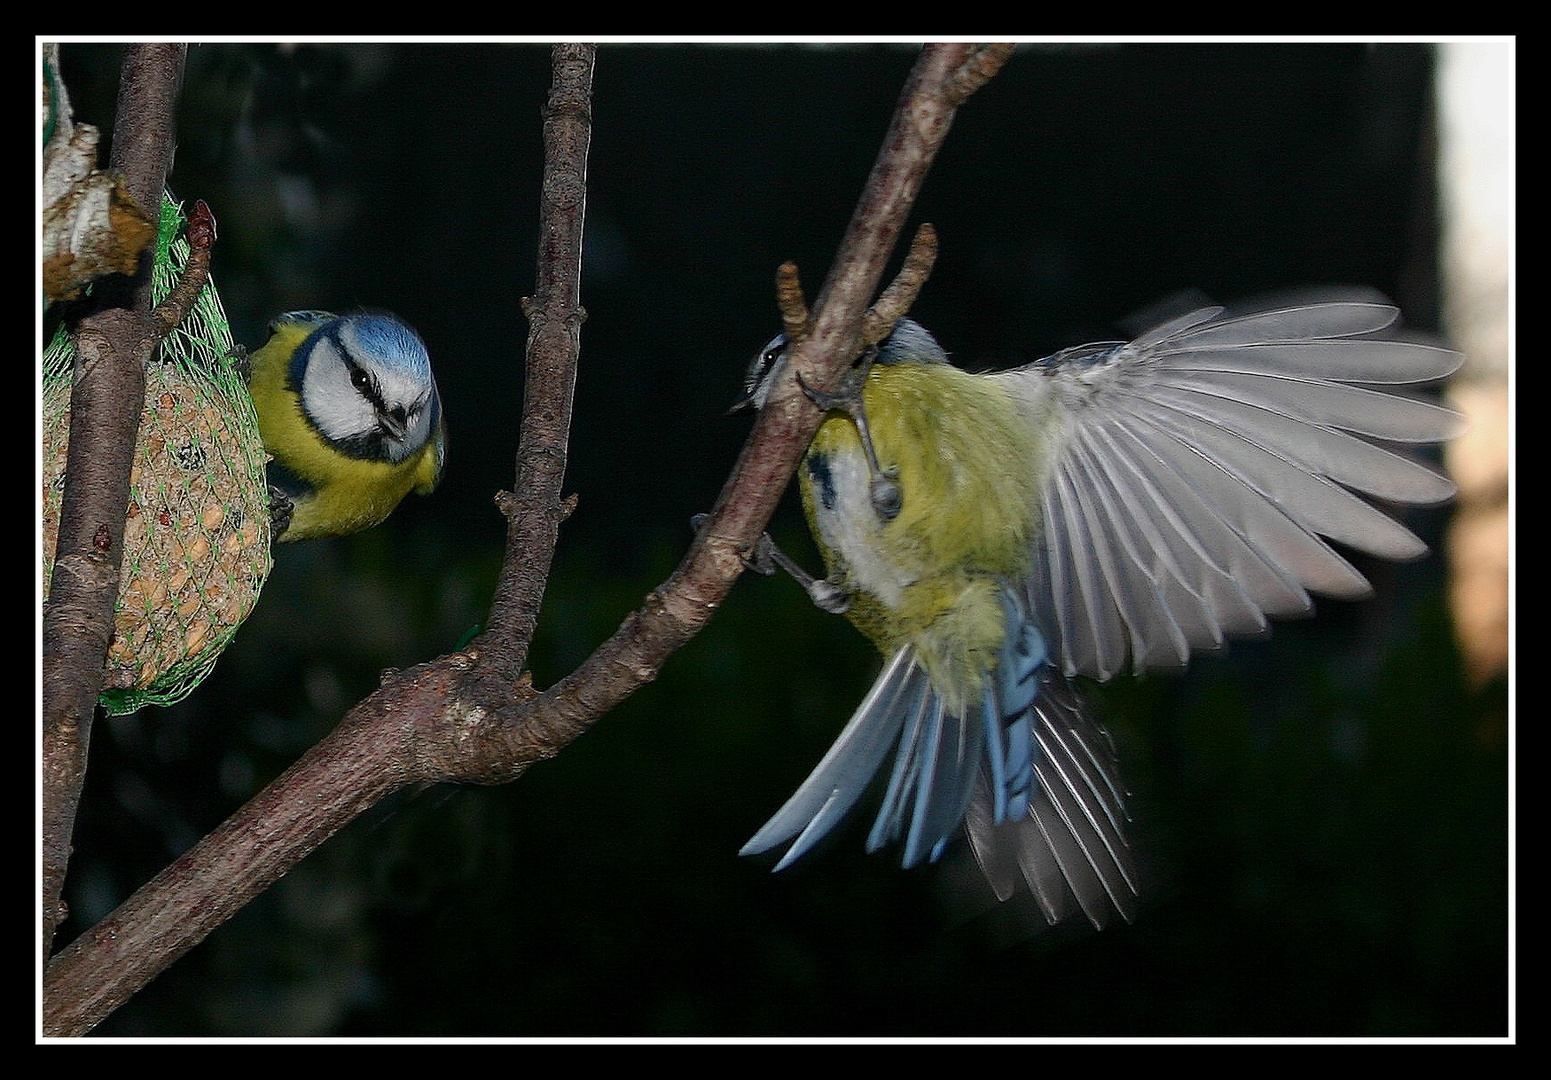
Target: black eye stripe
<point x="364" y="381"/>
<point x="760" y="370"/>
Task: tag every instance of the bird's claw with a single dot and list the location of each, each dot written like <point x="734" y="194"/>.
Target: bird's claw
<point x="241" y="362"/>
<point x="762" y="560"/>
<point x="846" y="398"/>
<point x="280" y="509"/>
<point x="828" y="596"/>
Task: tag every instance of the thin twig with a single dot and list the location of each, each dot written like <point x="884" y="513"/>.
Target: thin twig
<point x="200" y="233"/>
<point x="534" y="508"/>
<point x="796" y="322"/>
<point x="903" y="290"/>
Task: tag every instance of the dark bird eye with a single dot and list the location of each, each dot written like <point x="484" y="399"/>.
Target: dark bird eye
<point x="768" y="358"/>
<point x="359" y="378"/>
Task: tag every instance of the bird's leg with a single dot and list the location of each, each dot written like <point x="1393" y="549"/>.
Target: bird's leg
<point x="768" y="557"/>
<point x="887" y="496"/>
<point x="830" y="597"/>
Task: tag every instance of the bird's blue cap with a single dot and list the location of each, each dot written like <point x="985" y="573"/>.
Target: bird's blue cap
<point x="387" y="337"/>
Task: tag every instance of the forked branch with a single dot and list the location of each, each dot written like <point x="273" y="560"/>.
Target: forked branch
<point x="469" y="715"/>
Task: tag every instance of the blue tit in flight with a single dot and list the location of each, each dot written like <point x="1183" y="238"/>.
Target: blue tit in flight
<point x="349" y="412"/>
<point x="1115" y="505"/>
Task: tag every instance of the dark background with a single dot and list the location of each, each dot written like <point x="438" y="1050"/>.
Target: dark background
<point x="1323" y="812"/>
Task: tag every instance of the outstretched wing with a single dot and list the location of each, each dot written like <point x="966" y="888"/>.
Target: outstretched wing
<point x="1195" y="474"/>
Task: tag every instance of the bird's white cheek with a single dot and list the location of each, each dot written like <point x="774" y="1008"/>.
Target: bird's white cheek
<point x="334" y="406"/>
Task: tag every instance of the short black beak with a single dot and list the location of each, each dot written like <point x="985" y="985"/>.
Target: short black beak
<point x="744" y="404"/>
<point x="393" y="423"/>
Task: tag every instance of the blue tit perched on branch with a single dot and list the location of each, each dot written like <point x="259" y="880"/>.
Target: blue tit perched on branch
<point x="348" y="408"/>
<point x="1113" y="505"/>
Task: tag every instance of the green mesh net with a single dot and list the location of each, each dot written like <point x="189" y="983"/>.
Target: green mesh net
<point x="197" y="532"/>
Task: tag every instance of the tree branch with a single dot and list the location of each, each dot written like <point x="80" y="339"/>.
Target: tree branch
<point x="467" y="715"/>
<point x="112" y="345"/>
<point x="533" y="508"/>
<point x="676" y="610"/>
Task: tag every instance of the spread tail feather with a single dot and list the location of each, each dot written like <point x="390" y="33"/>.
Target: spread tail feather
<point x="1071" y="849"/>
<point x="1033" y="779"/>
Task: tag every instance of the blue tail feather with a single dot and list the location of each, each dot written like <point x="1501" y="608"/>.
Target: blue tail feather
<point x="933" y="780"/>
<point x="1014" y="686"/>
<point x="1031" y="778"/>
<point x="1071" y="852"/>
<point x="838" y="781"/>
